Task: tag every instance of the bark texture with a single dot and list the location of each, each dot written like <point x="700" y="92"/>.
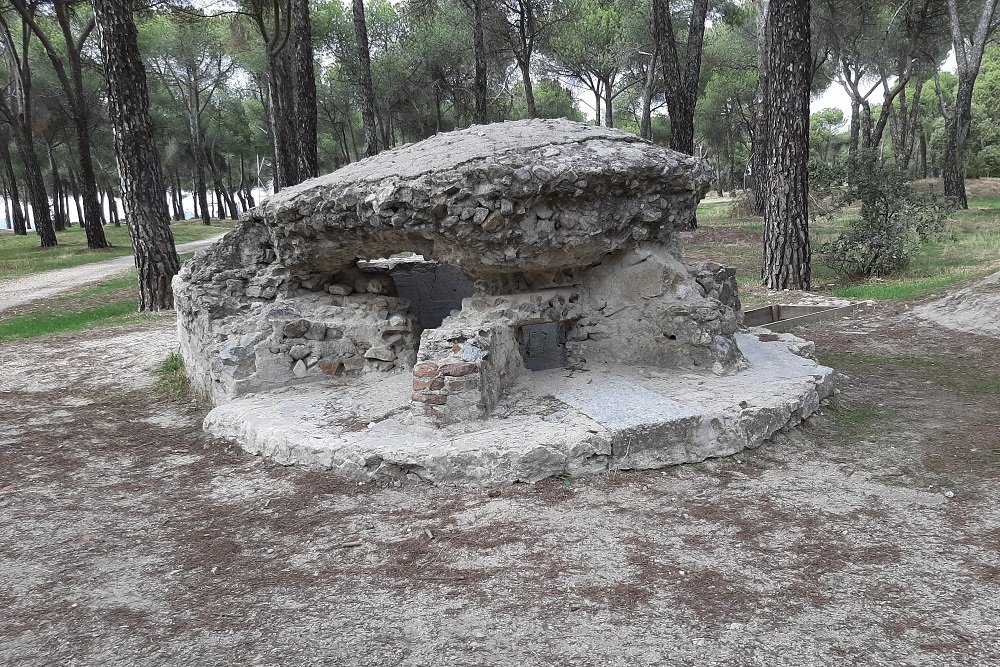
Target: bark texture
<point x="18" y="114"/>
<point x="787" y="254"/>
<point x="146" y="213"/>
<point x="968" y="50"/>
<point x="305" y="91"/>
<point x="681" y="71"/>
<point x="479" y="45"/>
<point x="365" y="78"/>
<point x="16" y="213"/>
<point x="758" y="154"/>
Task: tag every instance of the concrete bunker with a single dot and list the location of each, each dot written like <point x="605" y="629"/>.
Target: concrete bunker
<point x="530" y="247"/>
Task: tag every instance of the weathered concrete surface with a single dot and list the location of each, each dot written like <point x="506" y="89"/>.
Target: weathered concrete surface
<point x="573" y="222"/>
<point x="529" y="196"/>
<point x="550" y="423"/>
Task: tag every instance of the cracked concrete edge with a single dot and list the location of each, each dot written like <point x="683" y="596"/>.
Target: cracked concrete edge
<point x="524" y="450"/>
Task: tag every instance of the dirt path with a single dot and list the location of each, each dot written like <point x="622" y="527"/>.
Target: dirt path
<point x="869" y="536"/>
<point x="50" y="283"/>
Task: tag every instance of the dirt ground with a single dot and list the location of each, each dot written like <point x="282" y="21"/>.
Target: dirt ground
<point x="868" y="536"/>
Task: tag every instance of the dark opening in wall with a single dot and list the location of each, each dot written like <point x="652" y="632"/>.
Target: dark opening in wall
<point x="434" y="290"/>
<point x="543" y="346"/>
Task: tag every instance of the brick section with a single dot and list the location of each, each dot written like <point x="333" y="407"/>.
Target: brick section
<point x="455" y="386"/>
<point x="426" y="370"/>
<point x="431" y="399"/>
<point x="431" y="384"/>
<point x="459" y="369"/>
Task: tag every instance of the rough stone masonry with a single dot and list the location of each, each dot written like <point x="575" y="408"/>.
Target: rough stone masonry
<point x="549" y="244"/>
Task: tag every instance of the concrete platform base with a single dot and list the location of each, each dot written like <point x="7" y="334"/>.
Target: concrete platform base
<point x="554" y="422"/>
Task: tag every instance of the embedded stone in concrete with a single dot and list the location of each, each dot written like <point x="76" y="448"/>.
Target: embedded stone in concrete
<point x="491" y="305"/>
<point x="523" y="224"/>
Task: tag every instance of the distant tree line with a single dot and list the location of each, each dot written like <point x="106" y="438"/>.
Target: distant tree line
<point x="271" y="93"/>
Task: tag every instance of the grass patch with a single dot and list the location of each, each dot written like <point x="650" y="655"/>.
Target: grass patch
<point x="853" y="420"/>
<point x="855" y="360"/>
<point x="108" y="303"/>
<point x="898" y="290"/>
<point x="971" y="253"/>
<point x="984" y="201"/>
<point x="981" y="387"/>
<point x="715" y="209"/>
<point x="20" y="255"/>
<point x="34" y="325"/>
<point x="172" y="382"/>
<point x="941" y="371"/>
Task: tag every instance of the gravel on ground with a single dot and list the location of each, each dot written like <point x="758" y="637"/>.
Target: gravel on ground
<point x="868" y="536"/>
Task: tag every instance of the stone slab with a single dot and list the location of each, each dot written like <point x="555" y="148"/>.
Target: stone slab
<point x="618" y="405"/>
<point x="554" y="422"/>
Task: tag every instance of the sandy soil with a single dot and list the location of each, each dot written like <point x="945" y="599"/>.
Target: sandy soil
<point x="869" y="536"/>
<point x="46" y="284"/>
<point x="975" y="309"/>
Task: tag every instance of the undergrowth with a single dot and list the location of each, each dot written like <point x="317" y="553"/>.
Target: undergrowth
<point x="172" y="382"/>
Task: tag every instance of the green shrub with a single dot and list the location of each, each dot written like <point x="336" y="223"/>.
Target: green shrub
<point x="892" y="224"/>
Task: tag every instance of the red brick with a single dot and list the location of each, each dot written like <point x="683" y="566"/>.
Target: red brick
<point x="426" y="370"/>
<point x="462" y="385"/>
<point x="430" y="383"/>
<point x="431" y="399"/>
<point x="459" y="369"/>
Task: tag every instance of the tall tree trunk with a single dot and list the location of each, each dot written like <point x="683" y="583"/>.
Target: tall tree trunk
<point x="282" y="107"/>
<point x="479" y="45"/>
<point x="903" y="124"/>
<point x="609" y="114"/>
<point x="968" y="49"/>
<point x="956" y="133"/>
<point x="246" y="186"/>
<point x="102" y="195"/>
<point x="365" y="78"/>
<point x="225" y="202"/>
<point x="75" y="185"/>
<point x="22" y="126"/>
<point x="37" y="196"/>
<point x="787" y="255"/>
<point x="199" y="181"/>
<point x="529" y="88"/>
<point x="175" y="196"/>
<point x="305" y="91"/>
<point x="241" y="186"/>
<point x="146" y="213"/>
<point x="597" y="103"/>
<point x="180" y="195"/>
<point x="80" y="113"/>
<point x="88" y="180"/>
<point x="923" y="154"/>
<point x="57" y="205"/>
<point x="758" y="153"/>
<point x="20" y="228"/>
<point x="646" y="122"/>
<point x="113" y="208"/>
<point x="5" y="194"/>
<point x="234" y="210"/>
<point x="855" y="133"/>
<point x="682" y="73"/>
